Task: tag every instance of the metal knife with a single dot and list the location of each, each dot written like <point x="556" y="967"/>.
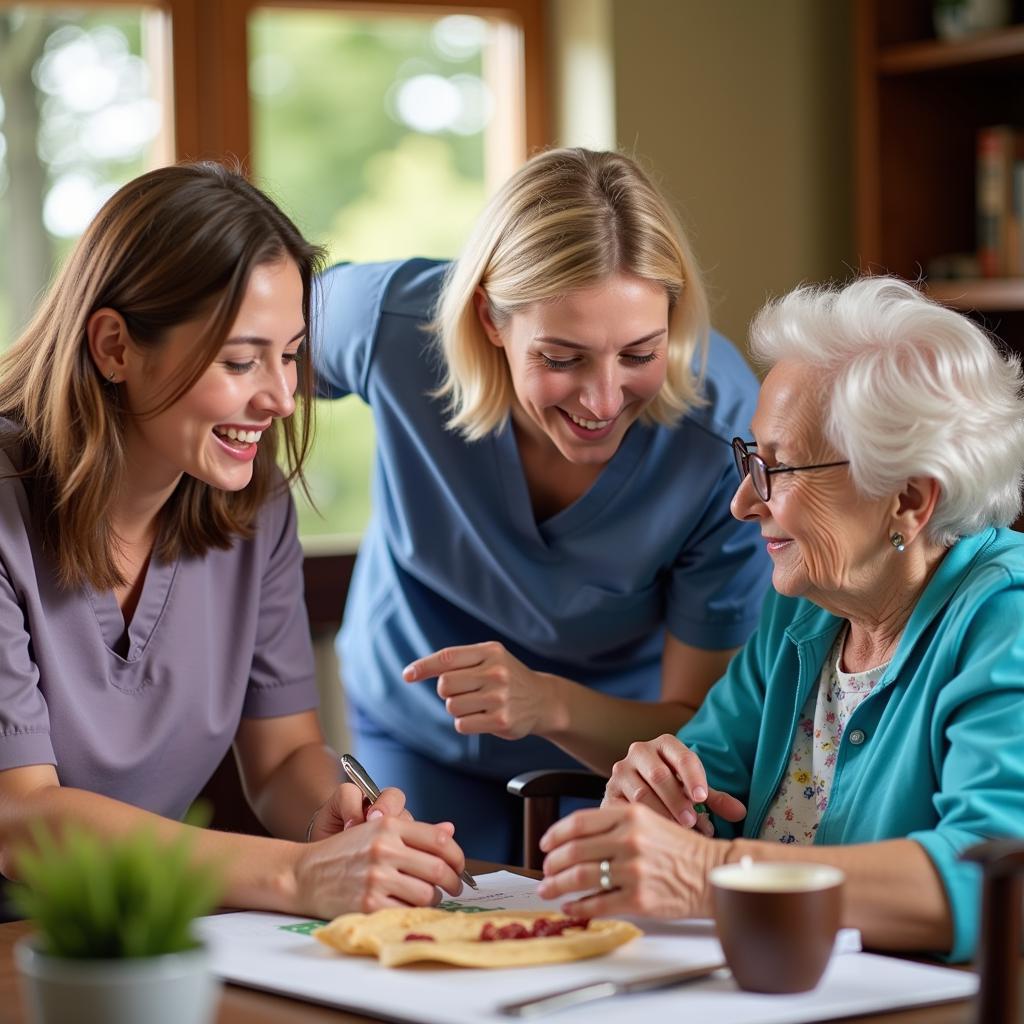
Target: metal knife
<point x="567" y="997"/>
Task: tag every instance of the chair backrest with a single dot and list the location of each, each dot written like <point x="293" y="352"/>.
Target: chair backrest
<point x="326" y="579"/>
<point x="541" y="792"/>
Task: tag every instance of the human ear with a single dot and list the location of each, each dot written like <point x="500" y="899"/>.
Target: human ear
<point x="108" y="339"/>
<point x="914" y="506"/>
<point x="483" y="313"/>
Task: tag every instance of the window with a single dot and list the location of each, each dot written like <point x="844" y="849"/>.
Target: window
<point x="83" y="109"/>
<point x="380" y="131"/>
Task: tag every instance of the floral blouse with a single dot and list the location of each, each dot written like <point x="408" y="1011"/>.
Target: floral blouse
<point x="802" y="799"/>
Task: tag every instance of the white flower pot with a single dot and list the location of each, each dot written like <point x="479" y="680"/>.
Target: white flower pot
<point x="177" y="988"/>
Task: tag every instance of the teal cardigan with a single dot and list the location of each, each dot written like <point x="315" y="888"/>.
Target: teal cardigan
<point x="942" y="760"/>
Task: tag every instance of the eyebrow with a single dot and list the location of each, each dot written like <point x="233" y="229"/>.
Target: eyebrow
<point x="562" y="343"/>
<point x="249" y="339"/>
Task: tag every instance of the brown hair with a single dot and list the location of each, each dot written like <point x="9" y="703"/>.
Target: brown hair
<point x="174" y="245"/>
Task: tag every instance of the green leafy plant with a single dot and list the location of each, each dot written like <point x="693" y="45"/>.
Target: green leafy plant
<point x="133" y="896"/>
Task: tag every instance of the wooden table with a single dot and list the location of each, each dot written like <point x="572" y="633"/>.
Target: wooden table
<point x="248" y="1006"/>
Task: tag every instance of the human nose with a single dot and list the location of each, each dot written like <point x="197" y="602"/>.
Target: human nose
<point x="602" y="393"/>
<point x="276" y="395"/>
<point x="746" y="503"/>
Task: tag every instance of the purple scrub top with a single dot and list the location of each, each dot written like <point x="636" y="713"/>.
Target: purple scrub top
<point x="147" y="718"/>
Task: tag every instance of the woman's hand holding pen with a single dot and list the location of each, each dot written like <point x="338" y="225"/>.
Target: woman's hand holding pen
<point x="485" y="689"/>
<point x="347" y="807"/>
<point x="666" y="776"/>
<point x="388" y="861"/>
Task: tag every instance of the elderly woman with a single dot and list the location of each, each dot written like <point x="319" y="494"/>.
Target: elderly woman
<point x="874" y="720"/>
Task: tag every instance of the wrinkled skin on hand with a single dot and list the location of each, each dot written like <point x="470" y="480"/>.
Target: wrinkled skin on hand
<point x="664" y="775"/>
<point x="658" y="867"/>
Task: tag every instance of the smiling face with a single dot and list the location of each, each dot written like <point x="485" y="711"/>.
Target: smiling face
<point x="212" y="432"/>
<point x="585" y="366"/>
<point x="826" y="541"/>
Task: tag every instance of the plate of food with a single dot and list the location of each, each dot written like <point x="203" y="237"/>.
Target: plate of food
<point x="492" y="938"/>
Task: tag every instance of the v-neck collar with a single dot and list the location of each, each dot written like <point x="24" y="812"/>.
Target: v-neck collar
<point x="156" y="589"/>
<point x="589" y="504"/>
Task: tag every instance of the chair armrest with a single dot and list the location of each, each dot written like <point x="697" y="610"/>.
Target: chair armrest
<point x="1000" y="939"/>
<point x="558" y="782"/>
<point x="540" y="792"/>
<point x="998" y="857"/>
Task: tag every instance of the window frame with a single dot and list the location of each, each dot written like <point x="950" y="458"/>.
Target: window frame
<point x="208" y="60"/>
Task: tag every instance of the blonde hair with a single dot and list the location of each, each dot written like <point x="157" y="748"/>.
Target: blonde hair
<point x="566" y="220"/>
<point x="171" y="246"/>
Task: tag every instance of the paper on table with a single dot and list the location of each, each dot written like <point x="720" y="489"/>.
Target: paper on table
<point x="274" y="952"/>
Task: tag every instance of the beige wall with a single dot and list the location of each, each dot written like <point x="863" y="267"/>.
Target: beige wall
<point x="743" y="109"/>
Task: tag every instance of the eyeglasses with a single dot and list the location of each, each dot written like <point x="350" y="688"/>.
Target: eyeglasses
<point x="760" y="474"/>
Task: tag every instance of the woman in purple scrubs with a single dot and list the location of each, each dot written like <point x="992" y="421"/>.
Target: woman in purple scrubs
<point x="150" y="572"/>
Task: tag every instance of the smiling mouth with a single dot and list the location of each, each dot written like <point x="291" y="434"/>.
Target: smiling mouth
<point x="238" y="438"/>
<point x="588" y="424"/>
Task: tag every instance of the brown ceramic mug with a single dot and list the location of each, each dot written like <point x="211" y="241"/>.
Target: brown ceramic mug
<point x="777" y="922"/>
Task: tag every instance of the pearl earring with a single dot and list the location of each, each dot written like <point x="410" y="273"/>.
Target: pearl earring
<point x="896" y="540"/>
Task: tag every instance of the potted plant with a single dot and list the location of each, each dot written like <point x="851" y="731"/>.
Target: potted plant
<point x="113" y="941"/>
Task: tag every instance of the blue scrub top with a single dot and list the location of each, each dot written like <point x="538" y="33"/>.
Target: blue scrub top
<point x="453" y="554"/>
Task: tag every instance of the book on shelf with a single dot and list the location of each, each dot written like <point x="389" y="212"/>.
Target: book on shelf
<point x="1000" y="201"/>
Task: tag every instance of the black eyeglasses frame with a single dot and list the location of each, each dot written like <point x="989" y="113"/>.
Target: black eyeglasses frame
<point x="761" y="473"/>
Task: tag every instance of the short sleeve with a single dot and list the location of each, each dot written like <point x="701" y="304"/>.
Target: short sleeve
<point x="718" y="582"/>
<point x="281" y="679"/>
<point x="24" y="717"/>
<point x="346" y="317"/>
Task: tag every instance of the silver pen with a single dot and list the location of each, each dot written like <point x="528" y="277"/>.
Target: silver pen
<point x="361" y="777"/>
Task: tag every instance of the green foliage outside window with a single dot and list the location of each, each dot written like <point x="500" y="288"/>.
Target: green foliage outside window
<point x="368" y="130"/>
<point x="331" y="145"/>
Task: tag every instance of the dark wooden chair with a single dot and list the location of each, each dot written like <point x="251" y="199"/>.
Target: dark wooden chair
<point x="999" y="943"/>
<point x="326" y="580"/>
<point x="541" y="792"/>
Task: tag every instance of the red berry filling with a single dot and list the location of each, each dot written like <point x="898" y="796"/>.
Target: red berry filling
<point x="542" y="927"/>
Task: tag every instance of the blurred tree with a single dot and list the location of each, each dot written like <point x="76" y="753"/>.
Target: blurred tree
<point x="325" y="89"/>
<point x="29" y="254"/>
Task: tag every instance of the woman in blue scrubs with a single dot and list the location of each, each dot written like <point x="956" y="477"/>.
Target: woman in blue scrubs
<point x="551" y="570"/>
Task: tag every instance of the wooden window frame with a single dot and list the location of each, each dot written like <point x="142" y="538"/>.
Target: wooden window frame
<point x="209" y="61"/>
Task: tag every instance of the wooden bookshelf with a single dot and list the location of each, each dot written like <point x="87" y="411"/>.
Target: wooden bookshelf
<point x="990" y="49"/>
<point x="920" y="102"/>
<point x="994" y="293"/>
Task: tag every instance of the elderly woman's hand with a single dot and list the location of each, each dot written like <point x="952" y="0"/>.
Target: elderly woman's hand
<point x="666" y="776"/>
<point x="485" y="689"/>
<point x="637" y="861"/>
